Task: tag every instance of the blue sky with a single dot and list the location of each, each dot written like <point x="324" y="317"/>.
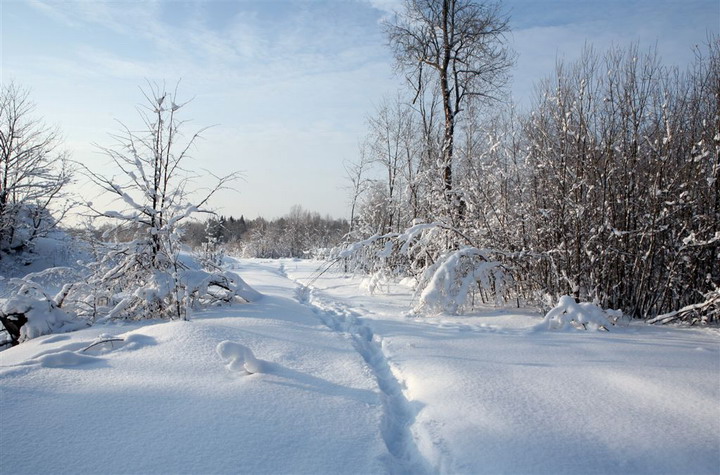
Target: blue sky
<point x="288" y="83"/>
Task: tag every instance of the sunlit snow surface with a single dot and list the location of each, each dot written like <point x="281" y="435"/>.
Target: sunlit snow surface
<point x="320" y="377"/>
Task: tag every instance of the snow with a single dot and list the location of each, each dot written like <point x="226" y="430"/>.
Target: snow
<point x="490" y="394"/>
<point x="171" y="406"/>
<point x="239" y="357"/>
<point x="64" y="358"/>
<point x="568" y="314"/>
<point x="326" y="378"/>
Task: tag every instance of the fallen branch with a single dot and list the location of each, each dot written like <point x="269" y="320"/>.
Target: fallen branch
<point x="704" y="312"/>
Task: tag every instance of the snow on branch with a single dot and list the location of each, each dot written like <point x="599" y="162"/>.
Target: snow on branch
<point x="450" y="284"/>
<point x="704" y="312"/>
<point x="447" y="281"/>
<point x="211" y="287"/>
<point x="568" y="314"/>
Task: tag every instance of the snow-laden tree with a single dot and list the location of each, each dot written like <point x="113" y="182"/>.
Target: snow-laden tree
<point x="33" y="172"/>
<point x="144" y="277"/>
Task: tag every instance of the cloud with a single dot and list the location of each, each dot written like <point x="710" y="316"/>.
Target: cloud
<point x="560" y="34"/>
<point x="388" y="6"/>
<point x="290" y="88"/>
<point x="52" y="12"/>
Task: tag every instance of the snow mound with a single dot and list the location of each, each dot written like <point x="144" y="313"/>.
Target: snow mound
<point x="569" y="314"/>
<point x="106" y="343"/>
<point x="136" y="341"/>
<point x="64" y="359"/>
<point x="239" y="357"/>
<point x="54" y="339"/>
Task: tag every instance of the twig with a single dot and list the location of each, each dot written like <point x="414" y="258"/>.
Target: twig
<point x="109" y="340"/>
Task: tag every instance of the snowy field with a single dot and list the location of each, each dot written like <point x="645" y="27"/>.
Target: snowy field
<point x="346" y="382"/>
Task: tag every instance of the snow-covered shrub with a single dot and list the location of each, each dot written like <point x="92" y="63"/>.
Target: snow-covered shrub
<point x="24" y="223"/>
<point x="450" y="284"/>
<point x="130" y="281"/>
<point x="446" y="282"/>
<point x="207" y="288"/>
<point x="30" y="312"/>
<point x="569" y="314"/>
<point x="122" y="287"/>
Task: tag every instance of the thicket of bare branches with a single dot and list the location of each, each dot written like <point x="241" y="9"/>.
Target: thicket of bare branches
<point x="607" y="189"/>
<point x="623" y="190"/>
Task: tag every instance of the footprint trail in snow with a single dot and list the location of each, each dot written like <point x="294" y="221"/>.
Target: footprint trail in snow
<point x="398" y="413"/>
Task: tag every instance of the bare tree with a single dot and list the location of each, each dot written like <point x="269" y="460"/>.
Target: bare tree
<point x="355" y="173"/>
<point x="391" y="147"/>
<point x="156" y="195"/>
<point x="33" y="171"/>
<point x="460" y="45"/>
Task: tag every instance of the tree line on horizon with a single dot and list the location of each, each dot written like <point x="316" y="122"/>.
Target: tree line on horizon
<point x="299" y="234"/>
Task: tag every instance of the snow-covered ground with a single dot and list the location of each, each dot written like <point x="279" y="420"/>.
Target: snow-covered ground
<point x="350" y="383"/>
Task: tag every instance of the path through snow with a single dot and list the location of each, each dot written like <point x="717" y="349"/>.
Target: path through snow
<point x="493" y="395"/>
<point x="398" y="413"/>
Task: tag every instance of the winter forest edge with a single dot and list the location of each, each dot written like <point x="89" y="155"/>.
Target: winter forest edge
<point x="515" y="288"/>
<point x="606" y="190"/>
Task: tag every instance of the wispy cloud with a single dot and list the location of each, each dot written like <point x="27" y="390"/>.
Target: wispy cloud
<point x="389" y="7"/>
<point x="51" y="10"/>
<point x="552" y="30"/>
<point x="290" y="85"/>
<point x="292" y="45"/>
